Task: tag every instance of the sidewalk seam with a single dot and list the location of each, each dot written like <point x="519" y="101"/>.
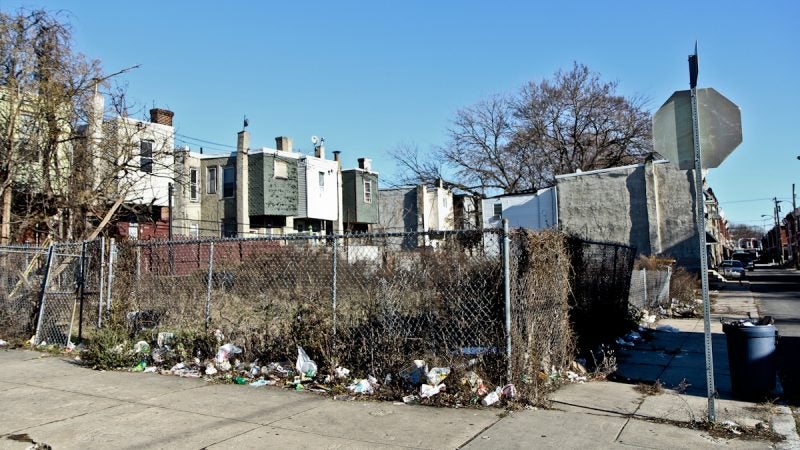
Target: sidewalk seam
<point x="480" y="432"/>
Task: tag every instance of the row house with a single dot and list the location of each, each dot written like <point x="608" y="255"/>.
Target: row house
<point x="792" y="251"/>
<point x="649" y="206"/>
<point x="128" y="165"/>
<point x="266" y="191"/>
<point x="419" y="209"/>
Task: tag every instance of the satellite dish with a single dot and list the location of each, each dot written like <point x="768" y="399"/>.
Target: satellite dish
<point x="314" y="140"/>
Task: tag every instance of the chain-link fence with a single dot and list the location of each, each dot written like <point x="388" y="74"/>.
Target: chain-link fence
<point x="21" y="272"/>
<point x="44" y="292"/>
<point x="650" y="289"/>
<point x="487" y="302"/>
<point x="372" y="303"/>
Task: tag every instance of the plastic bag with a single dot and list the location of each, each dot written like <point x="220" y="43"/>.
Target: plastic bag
<point x="415" y="374"/>
<point x="361" y="387"/>
<point x="305" y="365"/>
<point x="224" y="353"/>
<point x="427" y="390"/>
<point x="141" y="347"/>
<point x="437" y="375"/>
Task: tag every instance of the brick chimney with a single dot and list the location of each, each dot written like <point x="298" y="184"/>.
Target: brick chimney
<point x="283" y="143"/>
<point x="161" y="116"/>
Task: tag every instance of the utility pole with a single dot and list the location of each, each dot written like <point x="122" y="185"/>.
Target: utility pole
<point x="793" y="240"/>
<point x="779" y="235"/>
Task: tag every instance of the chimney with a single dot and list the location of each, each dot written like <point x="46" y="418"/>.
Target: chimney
<point x="161" y="116"/>
<point x="336" y="156"/>
<point x="365" y="163"/>
<point x="319" y="151"/>
<point x="283" y="143"/>
<point x="440" y="183"/>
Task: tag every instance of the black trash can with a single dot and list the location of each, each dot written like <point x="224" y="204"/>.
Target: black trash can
<point x="751" y="357"/>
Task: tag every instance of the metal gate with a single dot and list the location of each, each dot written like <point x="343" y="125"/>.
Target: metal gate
<point x="59" y="294"/>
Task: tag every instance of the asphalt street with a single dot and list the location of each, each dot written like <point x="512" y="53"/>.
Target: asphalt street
<point x="777" y="293"/>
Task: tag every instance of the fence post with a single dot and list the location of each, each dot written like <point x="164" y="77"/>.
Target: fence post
<point x="81" y="289"/>
<point x="507" y="293"/>
<point x="210" y="281"/>
<point x="138" y="262"/>
<point x="112" y="253"/>
<point x="333" y="292"/>
<point x="101" y="289"/>
<point x="644" y="287"/>
<point x="43" y="294"/>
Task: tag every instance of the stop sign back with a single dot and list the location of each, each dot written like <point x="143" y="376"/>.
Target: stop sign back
<point x="720" y="130"/>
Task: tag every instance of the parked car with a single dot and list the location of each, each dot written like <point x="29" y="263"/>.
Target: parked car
<point x="732" y="268"/>
<point x="747" y="259"/>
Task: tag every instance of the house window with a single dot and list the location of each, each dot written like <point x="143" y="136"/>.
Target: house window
<point x="322" y="181"/>
<point x="498" y="210"/>
<point x="367" y="191"/>
<point x="229" y="182"/>
<point x="281" y="169"/>
<point x="194" y="194"/>
<point x="146" y="156"/>
<point x="194" y="230"/>
<point x="212" y="180"/>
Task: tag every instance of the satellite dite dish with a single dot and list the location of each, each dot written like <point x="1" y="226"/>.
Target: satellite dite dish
<point x="314" y="140"/>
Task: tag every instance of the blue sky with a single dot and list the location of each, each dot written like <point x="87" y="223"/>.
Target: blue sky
<point x="370" y="75"/>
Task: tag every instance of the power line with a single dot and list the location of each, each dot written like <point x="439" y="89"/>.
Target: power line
<point x="205" y="141"/>
<point x="747" y="201"/>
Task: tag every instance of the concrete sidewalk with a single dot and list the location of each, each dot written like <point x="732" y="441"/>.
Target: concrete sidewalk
<point x="51" y="400"/>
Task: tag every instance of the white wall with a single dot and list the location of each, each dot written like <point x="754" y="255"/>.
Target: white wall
<point x="141" y="187"/>
<point x="322" y="202"/>
<point x="534" y="211"/>
<point x="438" y="211"/>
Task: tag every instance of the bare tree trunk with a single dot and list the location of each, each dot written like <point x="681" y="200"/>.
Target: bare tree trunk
<point x="5" y="227"/>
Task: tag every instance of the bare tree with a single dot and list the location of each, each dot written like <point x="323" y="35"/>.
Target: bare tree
<point x="520" y="143"/>
<point x="577" y="122"/>
<point x="738" y="231"/>
<point x="64" y="169"/>
<point x="42" y="81"/>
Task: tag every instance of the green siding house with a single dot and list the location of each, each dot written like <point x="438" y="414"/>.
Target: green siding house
<point x="359" y="197"/>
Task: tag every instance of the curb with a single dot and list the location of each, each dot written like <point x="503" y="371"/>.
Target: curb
<point x="783" y="423"/>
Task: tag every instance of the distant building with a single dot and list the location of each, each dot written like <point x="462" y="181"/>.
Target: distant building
<point x="268" y="191"/>
<point x="649" y="206"/>
<point x="417" y="209"/>
<point x="360" y="198"/>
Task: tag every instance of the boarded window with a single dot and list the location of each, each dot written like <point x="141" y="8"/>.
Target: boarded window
<point x="281" y="169"/>
<point x="146" y="156"/>
<point x="212" y="180"/>
<point x="229" y="182"/>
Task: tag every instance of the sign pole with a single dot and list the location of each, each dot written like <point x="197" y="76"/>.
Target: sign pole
<point x="701" y="234"/>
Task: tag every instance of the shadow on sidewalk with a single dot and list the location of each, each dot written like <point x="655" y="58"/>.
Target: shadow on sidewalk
<point x="677" y="360"/>
<point x="789" y="368"/>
